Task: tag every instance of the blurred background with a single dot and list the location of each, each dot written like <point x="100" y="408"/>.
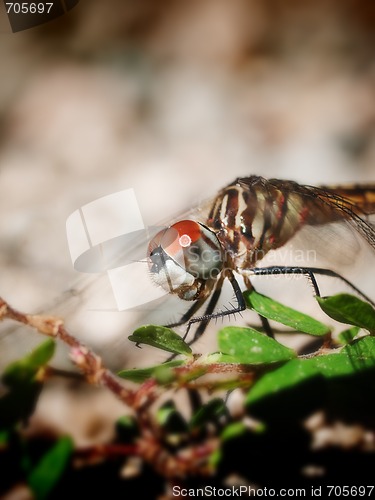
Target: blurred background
<point x="175" y="100"/>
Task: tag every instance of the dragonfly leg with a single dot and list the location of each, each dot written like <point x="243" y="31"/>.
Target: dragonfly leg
<point x="187" y="317"/>
<point x="188" y="314"/>
<point x="209" y="314"/>
<point x="310" y="272"/>
<point x="204" y="319"/>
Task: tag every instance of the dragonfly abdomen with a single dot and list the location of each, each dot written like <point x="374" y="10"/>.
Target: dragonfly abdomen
<point x="362" y="197"/>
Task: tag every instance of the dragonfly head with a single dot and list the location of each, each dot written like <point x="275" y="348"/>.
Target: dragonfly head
<point x="184" y="257"/>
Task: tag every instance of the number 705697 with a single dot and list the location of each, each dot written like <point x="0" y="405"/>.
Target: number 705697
<point x="345" y="491"/>
<point x="28" y="8"/>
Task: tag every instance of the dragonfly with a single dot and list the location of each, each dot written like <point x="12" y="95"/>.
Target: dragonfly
<point x="220" y="244"/>
<point x="248" y="218"/>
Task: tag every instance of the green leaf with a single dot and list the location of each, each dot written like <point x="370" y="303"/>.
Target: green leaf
<point x="301" y="385"/>
<point x="23" y="389"/>
<point x="231" y="431"/>
<point x="48" y="471"/>
<point x="18" y="404"/>
<point x="349" y="309"/>
<point x="161" y="337"/>
<point x="282" y="378"/>
<point x="26" y="368"/>
<point x="162" y="372"/>
<point x="276" y="311"/>
<point x="127" y="429"/>
<point x="210" y="412"/>
<point x="234" y="430"/>
<point x="245" y="345"/>
<point x="346" y="336"/>
<point x="170" y="419"/>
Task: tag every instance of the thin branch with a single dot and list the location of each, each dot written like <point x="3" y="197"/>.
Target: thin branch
<point x="149" y="446"/>
<point x="84" y="358"/>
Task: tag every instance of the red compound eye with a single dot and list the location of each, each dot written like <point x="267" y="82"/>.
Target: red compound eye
<point x="174" y="239"/>
<point x="188" y="228"/>
<point x="188" y="232"/>
<point x="177" y="238"/>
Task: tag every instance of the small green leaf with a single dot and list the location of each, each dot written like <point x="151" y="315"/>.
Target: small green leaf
<point x="234" y="430"/>
<point x="245" y="345"/>
<point x="18" y="404"/>
<point x="25" y="369"/>
<point x="346" y="336"/>
<point x="161" y="372"/>
<point x="237" y="436"/>
<point x="23" y="388"/>
<point x="276" y="311"/>
<point x="349" y="309"/>
<point x="210" y="412"/>
<point x="48" y="471"/>
<point x="170" y="419"/>
<point x="127" y="429"/>
<point x="161" y="337"/>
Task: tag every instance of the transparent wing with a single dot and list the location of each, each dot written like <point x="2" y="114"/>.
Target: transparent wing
<point x="111" y="294"/>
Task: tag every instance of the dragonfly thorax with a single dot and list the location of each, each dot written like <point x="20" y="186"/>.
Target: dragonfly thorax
<point x="250" y="220"/>
<point x="184" y="258"/>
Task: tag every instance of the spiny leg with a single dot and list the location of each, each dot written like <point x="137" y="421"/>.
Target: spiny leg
<point x="209" y="310"/>
<point x="185" y="318"/>
<point x="209" y="314"/>
<point x="204" y="322"/>
<point x="310" y="273"/>
<point x="188" y="314"/>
